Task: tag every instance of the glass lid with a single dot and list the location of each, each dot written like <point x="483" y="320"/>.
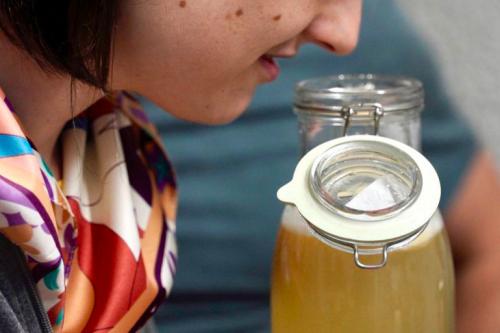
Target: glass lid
<point x="367" y="182"/>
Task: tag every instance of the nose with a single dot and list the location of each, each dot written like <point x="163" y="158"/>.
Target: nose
<point x="336" y="26"/>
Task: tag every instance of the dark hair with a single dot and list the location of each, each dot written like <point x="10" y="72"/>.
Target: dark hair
<point x="64" y="36"/>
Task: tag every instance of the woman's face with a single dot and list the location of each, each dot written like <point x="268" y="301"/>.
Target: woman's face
<point x="202" y="59"/>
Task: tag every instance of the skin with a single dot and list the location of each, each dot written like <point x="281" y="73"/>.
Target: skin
<point x="473" y="226"/>
<point x="197" y="59"/>
<point x="207" y="72"/>
<point x="200" y="61"/>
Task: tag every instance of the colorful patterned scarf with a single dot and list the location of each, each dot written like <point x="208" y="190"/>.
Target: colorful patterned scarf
<point x="100" y="243"/>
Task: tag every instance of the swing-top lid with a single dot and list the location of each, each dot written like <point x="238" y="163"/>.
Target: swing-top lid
<point x="366" y="193"/>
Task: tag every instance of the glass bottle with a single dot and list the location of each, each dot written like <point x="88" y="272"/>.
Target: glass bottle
<point x="323" y="284"/>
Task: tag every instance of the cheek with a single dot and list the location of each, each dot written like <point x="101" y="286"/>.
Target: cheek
<point x="195" y="62"/>
<point x="186" y="39"/>
<point x="170" y="50"/>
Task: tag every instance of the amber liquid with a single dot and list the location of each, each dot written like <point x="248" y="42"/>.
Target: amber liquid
<point x="317" y="288"/>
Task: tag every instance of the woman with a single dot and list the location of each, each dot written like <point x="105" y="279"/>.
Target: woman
<point x="86" y="194"/>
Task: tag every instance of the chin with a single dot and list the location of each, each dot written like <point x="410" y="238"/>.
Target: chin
<point x="220" y="108"/>
<point x="215" y="113"/>
<point x="219" y="118"/>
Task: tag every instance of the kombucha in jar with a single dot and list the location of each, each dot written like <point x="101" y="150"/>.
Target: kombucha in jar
<point x="362" y="247"/>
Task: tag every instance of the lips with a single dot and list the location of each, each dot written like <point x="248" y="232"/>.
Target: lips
<point x="271" y="67"/>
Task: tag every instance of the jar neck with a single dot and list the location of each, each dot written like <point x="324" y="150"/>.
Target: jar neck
<point x="318" y="127"/>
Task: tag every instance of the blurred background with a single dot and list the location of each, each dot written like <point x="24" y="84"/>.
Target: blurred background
<point x="229" y="216"/>
<point x="464" y="37"/>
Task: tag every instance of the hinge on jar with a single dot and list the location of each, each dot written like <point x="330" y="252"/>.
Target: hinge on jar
<point x="367" y="110"/>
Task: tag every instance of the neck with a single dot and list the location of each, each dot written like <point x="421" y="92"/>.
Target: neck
<point x="43" y="101"/>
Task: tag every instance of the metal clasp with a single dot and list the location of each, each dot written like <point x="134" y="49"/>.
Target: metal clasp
<point x="380" y="249"/>
<point x="378" y="265"/>
<point x="385" y="249"/>
<point x="367" y="110"/>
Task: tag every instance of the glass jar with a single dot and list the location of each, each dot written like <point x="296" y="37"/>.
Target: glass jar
<point x="325" y="282"/>
<point x="331" y="107"/>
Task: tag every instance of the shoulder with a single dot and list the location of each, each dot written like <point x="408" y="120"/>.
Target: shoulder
<point x="20" y="307"/>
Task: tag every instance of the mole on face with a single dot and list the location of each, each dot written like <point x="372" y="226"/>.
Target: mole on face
<point x="239" y="12"/>
<point x="277" y="17"/>
<point x="182" y="4"/>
